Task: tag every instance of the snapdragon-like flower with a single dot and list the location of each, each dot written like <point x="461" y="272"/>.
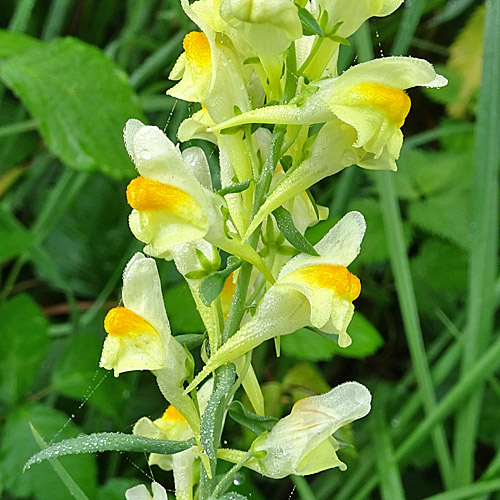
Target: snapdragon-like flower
<point x="173" y="426"/>
<point x="138" y="331"/>
<point x="364" y="110"/>
<point x="302" y="443"/>
<point x="140" y="492"/>
<point x="315" y="291"/>
<point x="139" y="337"/>
<point x="342" y="18"/>
<point x="170" y="205"/>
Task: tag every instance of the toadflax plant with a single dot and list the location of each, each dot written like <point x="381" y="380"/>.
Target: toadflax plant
<point x="265" y="75"/>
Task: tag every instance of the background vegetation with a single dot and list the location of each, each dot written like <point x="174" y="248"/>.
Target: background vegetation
<point x="424" y="339"/>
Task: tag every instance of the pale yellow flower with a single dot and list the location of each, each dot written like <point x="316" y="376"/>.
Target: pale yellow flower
<point x="310" y="291"/>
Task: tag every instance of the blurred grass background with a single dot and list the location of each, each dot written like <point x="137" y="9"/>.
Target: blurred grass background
<point x="425" y="339"/>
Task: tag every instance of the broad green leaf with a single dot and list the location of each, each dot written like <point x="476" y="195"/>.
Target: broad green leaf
<point x="81" y="100"/>
<point x="90" y="239"/>
<point x="108" y="441"/>
<point x="440" y="272"/>
<point x="18" y="445"/>
<point x="447" y="215"/>
<point x="303" y="380"/>
<point x="75" y="376"/>
<point x="23" y="344"/>
<point x="291" y="233"/>
<point x="181" y="309"/>
<point x="12" y="43"/>
<point x="256" y="423"/>
<point x="307" y="345"/>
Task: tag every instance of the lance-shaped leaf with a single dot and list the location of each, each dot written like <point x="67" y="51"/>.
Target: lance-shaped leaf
<point x="290" y="232"/>
<point x="212" y="285"/>
<point x="256" y="423"/>
<point x="109" y="441"/>
<point x="310" y="291"/>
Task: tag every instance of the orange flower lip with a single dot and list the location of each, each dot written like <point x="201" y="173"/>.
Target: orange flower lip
<point x="173" y="414"/>
<point x="394" y="102"/>
<point x="197" y="48"/>
<point x="145" y="194"/>
<point x="334" y="277"/>
<point x="122" y="322"/>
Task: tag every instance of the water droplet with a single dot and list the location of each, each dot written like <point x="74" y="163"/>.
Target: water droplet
<point x="145" y="154"/>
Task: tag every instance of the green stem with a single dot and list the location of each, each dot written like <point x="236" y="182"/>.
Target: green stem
<point x="227" y="478"/>
<point x="391" y="486"/>
<point x="483" y="268"/>
<point x="303" y="488"/>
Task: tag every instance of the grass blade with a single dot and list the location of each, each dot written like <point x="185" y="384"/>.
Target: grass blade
<point x="483" y="268"/>
<point x="63" y="474"/>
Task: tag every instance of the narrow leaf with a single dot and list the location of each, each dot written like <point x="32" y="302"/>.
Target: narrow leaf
<point x="212" y="285"/>
<point x="309" y="24"/>
<point x="291" y="233"/>
<point x="235" y="188"/>
<point x="63" y="474"/>
<point x="109" y="441"/>
<point x="256" y="423"/>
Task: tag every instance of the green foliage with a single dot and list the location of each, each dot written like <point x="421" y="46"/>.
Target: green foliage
<point x="22" y="324"/>
<point x="18" y="445"/>
<point x="307" y="345"/>
<point x="181" y="309"/>
<point x="80" y="99"/>
<point x="76" y="372"/>
<point x="108" y="441"/>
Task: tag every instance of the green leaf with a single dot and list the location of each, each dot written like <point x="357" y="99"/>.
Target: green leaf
<point x="225" y="381"/>
<point x="235" y="188"/>
<point x="18" y="444"/>
<point x="232" y="496"/>
<point x="23" y="344"/>
<point x="76" y="372"/>
<point x="309" y="24"/>
<point x="15" y="239"/>
<point x="256" y="423"/>
<point x="12" y="43"/>
<point x="305" y="344"/>
<point x="181" y="309"/>
<point x="212" y="285"/>
<point x="81" y="100"/>
<point x="303" y="380"/>
<point x="109" y="441"/>
<point x="73" y="488"/>
<point x="291" y="233"/>
<point x="90" y="238"/>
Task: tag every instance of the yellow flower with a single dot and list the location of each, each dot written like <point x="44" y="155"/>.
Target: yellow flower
<point x="138" y="332"/>
<point x="172" y="201"/>
<point x="302" y="443"/>
<point x="364" y="109"/>
<point x="310" y="291"/>
<point x="173" y="426"/>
